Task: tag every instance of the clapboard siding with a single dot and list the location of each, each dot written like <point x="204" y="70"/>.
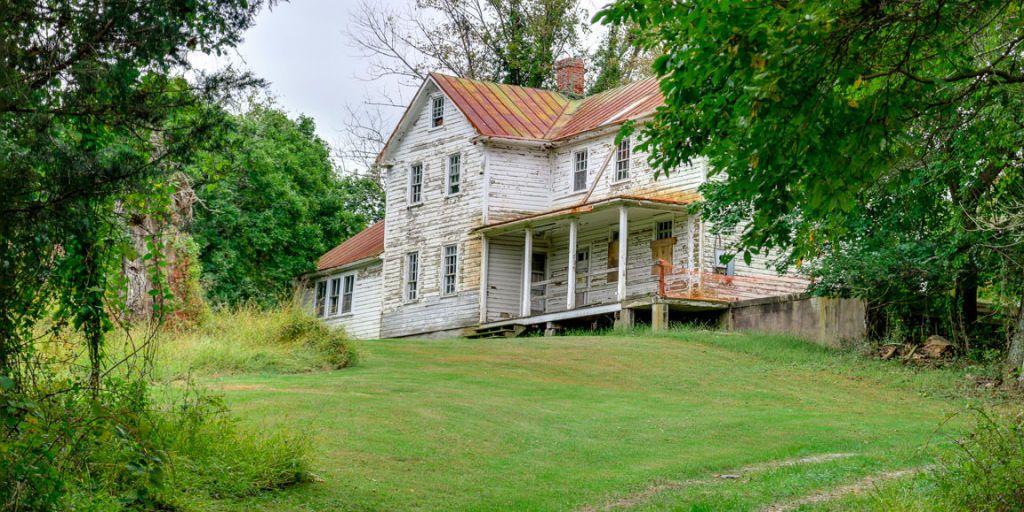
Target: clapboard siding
<point x="504" y="282"/>
<point x="680" y="185"/>
<point x="364" y="320"/>
<point x="426" y="228"/>
<point x="519" y="181"/>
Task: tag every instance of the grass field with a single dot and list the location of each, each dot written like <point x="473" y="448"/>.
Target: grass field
<point x="599" y="423"/>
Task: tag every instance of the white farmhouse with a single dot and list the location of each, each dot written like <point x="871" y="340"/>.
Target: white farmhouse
<point x="510" y="207"/>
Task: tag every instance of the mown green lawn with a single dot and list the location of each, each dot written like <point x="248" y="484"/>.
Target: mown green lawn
<point x="595" y="422"/>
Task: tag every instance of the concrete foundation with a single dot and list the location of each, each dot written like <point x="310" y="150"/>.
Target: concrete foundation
<point x="624" y="319"/>
<point x="825" y="320"/>
<point x="659" y="316"/>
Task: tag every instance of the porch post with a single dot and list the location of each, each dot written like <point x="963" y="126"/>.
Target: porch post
<point x="623" y="243"/>
<point x="484" y="257"/>
<point x="524" y="309"/>
<point x="570" y="299"/>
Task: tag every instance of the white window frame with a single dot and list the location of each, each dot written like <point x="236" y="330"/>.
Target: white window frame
<point x="320" y="299"/>
<point x="412" y="276"/>
<point x="348" y="297"/>
<point x="411" y="182"/>
<point x="458" y="175"/>
<point x="575" y="167"/>
<point x="333" y="295"/>
<point x="436" y="119"/>
<point x="622" y="160"/>
<point x="445" y="274"/>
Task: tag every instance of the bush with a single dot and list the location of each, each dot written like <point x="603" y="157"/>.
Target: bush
<point x="987" y="472"/>
<point x="251" y="340"/>
<point x="117" y="450"/>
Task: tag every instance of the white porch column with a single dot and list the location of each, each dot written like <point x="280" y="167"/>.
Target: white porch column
<point x="527" y="272"/>
<point x="623" y="244"/>
<point x="484" y="258"/>
<point x="570" y="291"/>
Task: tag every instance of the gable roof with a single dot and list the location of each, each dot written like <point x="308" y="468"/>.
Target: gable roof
<point x="365" y="244"/>
<point x="500" y="110"/>
<point x="510" y="111"/>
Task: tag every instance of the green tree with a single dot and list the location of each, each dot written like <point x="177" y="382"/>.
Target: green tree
<point x="269" y="205"/>
<point x="619" y="60"/>
<point x="806" y="111"/>
<point x="87" y="124"/>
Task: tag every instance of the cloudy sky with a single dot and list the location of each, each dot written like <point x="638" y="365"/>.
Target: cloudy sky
<point x="303" y="49"/>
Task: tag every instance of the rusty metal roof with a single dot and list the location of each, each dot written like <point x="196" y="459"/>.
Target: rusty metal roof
<point x="509" y="111"/>
<point x="365" y="244"/>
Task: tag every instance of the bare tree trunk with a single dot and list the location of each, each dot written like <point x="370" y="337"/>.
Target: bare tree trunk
<point x="1015" y="354"/>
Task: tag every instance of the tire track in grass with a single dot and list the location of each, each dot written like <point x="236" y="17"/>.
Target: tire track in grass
<point x="857" y="487"/>
<point x="660" y="486"/>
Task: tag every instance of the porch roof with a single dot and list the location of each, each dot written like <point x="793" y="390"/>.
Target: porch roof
<point x="629" y="200"/>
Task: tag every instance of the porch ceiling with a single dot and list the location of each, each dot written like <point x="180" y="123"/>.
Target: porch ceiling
<point x="596" y="213"/>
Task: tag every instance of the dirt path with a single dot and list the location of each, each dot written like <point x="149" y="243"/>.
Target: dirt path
<point x="862" y="485"/>
<point x="660" y="486"/>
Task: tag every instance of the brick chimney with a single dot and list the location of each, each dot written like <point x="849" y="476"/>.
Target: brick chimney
<point x="569" y="75"/>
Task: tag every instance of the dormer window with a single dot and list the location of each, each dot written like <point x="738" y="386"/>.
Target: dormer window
<point x="436" y="111"/>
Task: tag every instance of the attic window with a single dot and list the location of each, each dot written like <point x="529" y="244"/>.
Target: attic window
<point x="437" y="111"/>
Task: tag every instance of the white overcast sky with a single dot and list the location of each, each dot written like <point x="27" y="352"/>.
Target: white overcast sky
<point x="302" y="49"/>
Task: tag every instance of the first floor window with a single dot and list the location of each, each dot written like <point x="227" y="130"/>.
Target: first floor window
<point x="579" y="171"/>
<point x="333" y="304"/>
<point x="622" y="160"/>
<point x="412" y="273"/>
<point x="346" y="296"/>
<point x="416" y="184"/>
<point x="454" y="170"/>
<point x="663" y="230"/>
<point x="321" y="297"/>
<point x="450" y="264"/>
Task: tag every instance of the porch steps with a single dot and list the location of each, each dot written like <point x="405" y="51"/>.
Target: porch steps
<point x="501" y="331"/>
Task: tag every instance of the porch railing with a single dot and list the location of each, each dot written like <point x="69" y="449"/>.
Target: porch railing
<point x="682" y="283"/>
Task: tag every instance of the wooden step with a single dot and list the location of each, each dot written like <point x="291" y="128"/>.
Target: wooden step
<point x="502" y="331"/>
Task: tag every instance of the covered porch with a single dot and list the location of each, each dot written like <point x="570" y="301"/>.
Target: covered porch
<point x="622" y="257"/>
<point x="595" y="259"/>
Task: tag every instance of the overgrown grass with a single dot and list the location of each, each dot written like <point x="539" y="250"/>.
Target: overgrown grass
<point x="252" y="340"/>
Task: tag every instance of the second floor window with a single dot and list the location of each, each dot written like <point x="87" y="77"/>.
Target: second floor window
<point x="622" y="155"/>
<point x="346" y="296"/>
<point x="412" y="275"/>
<point x="416" y="184"/>
<point x="437" y="111"/>
<point x="454" y="171"/>
<point x="579" y="171"/>
<point x="450" y="269"/>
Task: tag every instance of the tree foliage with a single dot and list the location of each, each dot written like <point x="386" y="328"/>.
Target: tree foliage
<point x="811" y="114"/>
<point x="270" y="205"/>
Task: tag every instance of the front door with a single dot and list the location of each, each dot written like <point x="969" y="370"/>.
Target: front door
<point x="539" y="268"/>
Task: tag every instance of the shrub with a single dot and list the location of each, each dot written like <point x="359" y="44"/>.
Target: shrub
<point x="987" y="472"/>
<point x="251" y="340"/>
<point x="117" y="450"/>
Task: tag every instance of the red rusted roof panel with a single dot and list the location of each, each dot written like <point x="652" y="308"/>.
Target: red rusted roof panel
<point x="610" y="107"/>
<point x="500" y="110"/>
<point x="365" y="244"/>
